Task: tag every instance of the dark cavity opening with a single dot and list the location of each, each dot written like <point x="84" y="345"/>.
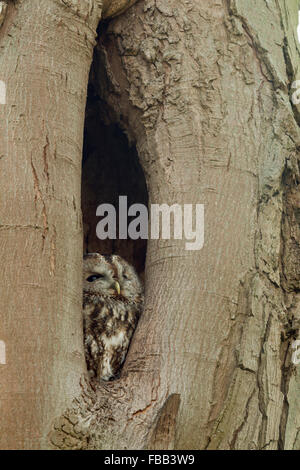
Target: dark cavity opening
<point x="110" y="168"/>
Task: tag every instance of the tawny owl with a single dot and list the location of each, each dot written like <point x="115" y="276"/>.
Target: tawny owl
<point x="112" y="303"/>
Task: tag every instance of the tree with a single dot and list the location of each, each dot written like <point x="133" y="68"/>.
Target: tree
<point x="203" y="89"/>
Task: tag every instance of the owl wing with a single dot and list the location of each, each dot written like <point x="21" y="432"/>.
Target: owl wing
<point x="114" y="352"/>
<point x="93" y="352"/>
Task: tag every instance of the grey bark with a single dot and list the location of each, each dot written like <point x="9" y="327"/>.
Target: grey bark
<point x="45" y="54"/>
<point x="203" y="88"/>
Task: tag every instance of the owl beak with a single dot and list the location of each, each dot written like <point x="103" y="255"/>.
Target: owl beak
<point x="117" y="287"/>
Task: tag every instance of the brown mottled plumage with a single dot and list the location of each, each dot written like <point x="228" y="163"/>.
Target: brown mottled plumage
<point x="112" y="303"/>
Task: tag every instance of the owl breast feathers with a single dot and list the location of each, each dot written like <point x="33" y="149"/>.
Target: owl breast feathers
<point x="112" y="303"/>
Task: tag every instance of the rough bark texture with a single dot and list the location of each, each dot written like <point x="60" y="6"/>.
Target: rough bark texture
<point x="113" y="8"/>
<point x="45" y="54"/>
<point x="46" y="49"/>
<point x="203" y="90"/>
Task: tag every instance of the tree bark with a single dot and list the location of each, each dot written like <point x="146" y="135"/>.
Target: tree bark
<point x="203" y="88"/>
<point x="46" y="51"/>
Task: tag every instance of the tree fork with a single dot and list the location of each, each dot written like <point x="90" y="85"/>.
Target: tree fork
<point x="46" y="52"/>
<point x="203" y="90"/>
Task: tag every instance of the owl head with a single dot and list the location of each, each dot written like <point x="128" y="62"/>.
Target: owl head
<point x="110" y="276"/>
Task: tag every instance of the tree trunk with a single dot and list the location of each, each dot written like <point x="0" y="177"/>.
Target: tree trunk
<point x="46" y="51"/>
<point x="203" y="88"/>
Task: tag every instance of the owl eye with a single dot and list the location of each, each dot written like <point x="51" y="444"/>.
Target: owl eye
<point x="94" y="277"/>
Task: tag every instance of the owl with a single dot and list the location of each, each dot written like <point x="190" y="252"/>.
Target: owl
<point x="112" y="303"/>
<point x="3" y="8"/>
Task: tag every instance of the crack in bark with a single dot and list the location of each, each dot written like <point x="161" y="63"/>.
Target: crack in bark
<point x="19" y="226"/>
<point x="289" y="68"/>
<point x="142" y="411"/>
<point x="261" y="389"/>
<point x="258" y="50"/>
<point x="38" y="197"/>
<point x="242" y="307"/>
<point x="239" y="429"/>
<point x="45" y="153"/>
<point x="290" y="182"/>
<point x="163" y="434"/>
<point x="286" y="272"/>
<point x="286" y="372"/>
